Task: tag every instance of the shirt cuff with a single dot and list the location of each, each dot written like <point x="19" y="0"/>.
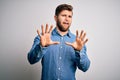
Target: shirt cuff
<point x="79" y="53"/>
<point x="43" y="49"/>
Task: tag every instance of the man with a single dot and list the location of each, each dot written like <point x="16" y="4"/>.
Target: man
<point x="60" y="50"/>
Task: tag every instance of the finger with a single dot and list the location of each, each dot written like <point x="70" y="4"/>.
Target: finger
<point x="76" y="33"/>
<point x="81" y="34"/>
<point x="55" y="42"/>
<point x="46" y="30"/>
<point x="43" y="31"/>
<point x="85" y="41"/>
<point x="50" y="30"/>
<point x="70" y="44"/>
<point x="38" y="32"/>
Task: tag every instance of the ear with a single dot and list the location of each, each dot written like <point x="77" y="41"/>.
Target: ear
<point x="55" y="17"/>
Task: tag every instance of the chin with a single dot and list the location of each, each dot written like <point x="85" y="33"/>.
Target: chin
<point x="65" y="29"/>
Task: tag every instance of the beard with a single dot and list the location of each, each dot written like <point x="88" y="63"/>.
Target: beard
<point x="62" y="28"/>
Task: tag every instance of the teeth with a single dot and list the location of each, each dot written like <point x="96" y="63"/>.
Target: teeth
<point x="65" y="23"/>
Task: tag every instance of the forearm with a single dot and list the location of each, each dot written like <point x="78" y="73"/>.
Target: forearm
<point x="35" y="55"/>
<point x="82" y="60"/>
<point x="36" y="52"/>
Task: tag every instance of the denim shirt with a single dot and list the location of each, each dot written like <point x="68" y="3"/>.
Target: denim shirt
<point x="59" y="61"/>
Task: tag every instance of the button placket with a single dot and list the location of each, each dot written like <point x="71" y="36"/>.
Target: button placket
<point x="59" y="57"/>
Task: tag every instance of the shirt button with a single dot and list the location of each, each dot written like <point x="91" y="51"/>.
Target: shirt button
<point x="59" y="68"/>
<point x="61" y="47"/>
<point x="60" y="57"/>
<point x="62" y="38"/>
<point x="58" y="79"/>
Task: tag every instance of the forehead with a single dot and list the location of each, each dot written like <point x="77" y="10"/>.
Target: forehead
<point x="67" y="12"/>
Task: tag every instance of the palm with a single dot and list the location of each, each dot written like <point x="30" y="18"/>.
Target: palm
<point x="45" y="38"/>
<point x="79" y="42"/>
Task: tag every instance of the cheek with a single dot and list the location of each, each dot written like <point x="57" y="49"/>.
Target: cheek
<point x="59" y="21"/>
<point x="70" y="19"/>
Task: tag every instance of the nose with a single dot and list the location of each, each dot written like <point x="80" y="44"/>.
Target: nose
<point x="66" y="18"/>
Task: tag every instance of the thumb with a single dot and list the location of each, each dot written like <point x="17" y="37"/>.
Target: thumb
<point x="55" y="42"/>
<point x="68" y="43"/>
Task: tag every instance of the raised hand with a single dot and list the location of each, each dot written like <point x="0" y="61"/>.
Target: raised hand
<point x="79" y="42"/>
<point x="45" y="37"/>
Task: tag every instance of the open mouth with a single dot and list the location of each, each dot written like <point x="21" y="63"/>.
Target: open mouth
<point x="66" y="23"/>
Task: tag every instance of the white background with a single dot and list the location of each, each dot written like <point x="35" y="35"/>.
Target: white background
<point x="20" y="19"/>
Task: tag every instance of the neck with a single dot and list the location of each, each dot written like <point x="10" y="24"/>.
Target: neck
<point x="61" y="32"/>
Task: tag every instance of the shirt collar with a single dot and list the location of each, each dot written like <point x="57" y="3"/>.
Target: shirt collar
<point x="55" y="32"/>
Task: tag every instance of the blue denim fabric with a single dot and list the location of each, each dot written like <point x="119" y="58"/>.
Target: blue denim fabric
<point x="59" y="61"/>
